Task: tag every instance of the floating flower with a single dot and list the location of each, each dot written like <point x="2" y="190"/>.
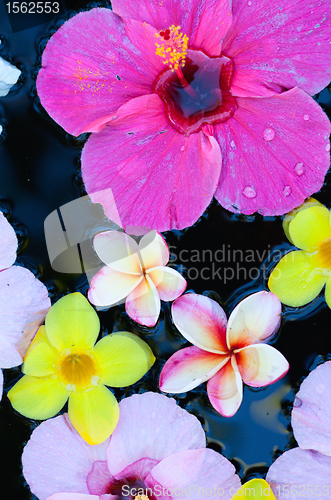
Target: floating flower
<point x="156" y="445"/>
<point x="300" y="276"/>
<point x="226" y="354"/>
<point x="135" y="272"/>
<point x="256" y="488"/>
<point x="8" y="76"/>
<point x="306" y="471"/>
<point x="24" y="302"/>
<point x="205" y="98"/>
<point x="62" y="362"/>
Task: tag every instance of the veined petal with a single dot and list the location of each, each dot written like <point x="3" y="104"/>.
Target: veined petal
<point x="77" y="496"/>
<point x="153" y="250"/>
<point x="94" y="413"/>
<point x="143" y="303"/>
<point x="119" y="251"/>
<point x="295" y="280"/>
<point x="261" y="365"/>
<point x="40" y="360"/>
<point x="123" y="359"/>
<point x="72" y="322"/>
<point x="225" y="389"/>
<point x="310" y="202"/>
<point x="8" y="243"/>
<point x="188" y="368"/>
<point x="309" y="227"/>
<point x="201" y="321"/>
<point x="169" y="283"/>
<point x="38" y="398"/>
<point x="253" y="320"/>
<point x="109" y="286"/>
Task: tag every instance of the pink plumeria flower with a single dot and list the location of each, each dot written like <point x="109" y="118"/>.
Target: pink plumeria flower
<point x="135" y="272"/>
<point x="156" y="445"/>
<point x="225" y="353"/>
<point x="227" y="113"/>
<point x="24" y="302"/>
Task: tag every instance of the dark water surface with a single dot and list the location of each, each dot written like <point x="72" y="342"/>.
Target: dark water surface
<point x="39" y="172"/>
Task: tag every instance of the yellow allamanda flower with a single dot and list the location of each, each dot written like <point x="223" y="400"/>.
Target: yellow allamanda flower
<point x="63" y="363"/>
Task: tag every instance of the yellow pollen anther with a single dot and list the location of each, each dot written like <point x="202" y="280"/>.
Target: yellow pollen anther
<point x="174" y="42"/>
<point x="141" y="497"/>
<point x="78" y="369"/>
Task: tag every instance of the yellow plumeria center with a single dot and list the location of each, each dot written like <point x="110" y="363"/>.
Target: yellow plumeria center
<point x="324" y="253"/>
<point x="173" y="48"/>
<point x="78" y="369"/>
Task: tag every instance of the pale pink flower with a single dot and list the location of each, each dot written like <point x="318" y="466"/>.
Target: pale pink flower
<point x="225" y="353"/>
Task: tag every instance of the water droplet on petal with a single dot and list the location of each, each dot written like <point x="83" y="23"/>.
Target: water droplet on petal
<point x="327" y="147"/>
<point x="287" y="191"/>
<point x="249" y="3"/>
<point x="306" y="117"/>
<point x="299" y="169"/>
<point x="182" y="148"/>
<point x="297" y="402"/>
<point x="249" y="192"/>
<point x="232" y="144"/>
<point x="268" y="134"/>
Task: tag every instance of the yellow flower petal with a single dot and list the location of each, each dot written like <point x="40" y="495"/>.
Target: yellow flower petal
<point x="295" y="280"/>
<point x="123" y="358"/>
<point x="41" y="359"/>
<point x="38" y="398"/>
<point x="72" y="323"/>
<point x="310" y="202"/>
<point x="328" y="292"/>
<point x="255" y="488"/>
<point x="309" y="227"/>
<point x="94" y="413"/>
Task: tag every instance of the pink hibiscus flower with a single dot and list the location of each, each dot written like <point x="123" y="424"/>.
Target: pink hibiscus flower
<point x="156" y="445"/>
<point x="306" y="471"/>
<point x="225" y="353"/>
<point x="24" y="302"/>
<point x="220" y="107"/>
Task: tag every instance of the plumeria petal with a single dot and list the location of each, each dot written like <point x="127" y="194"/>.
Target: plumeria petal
<point x="158" y="438"/>
<point x="153" y="250"/>
<point x="225" y="389"/>
<point x="85" y="78"/>
<point x="328" y="292"/>
<point x="8" y="76"/>
<point x="94" y="413"/>
<point x="72" y="322"/>
<point x="205" y="22"/>
<point x="312" y="411"/>
<point x="119" y="251"/>
<point x="261" y="365"/>
<point x="295" y="279"/>
<point x="292" y="152"/>
<point x="56" y="458"/>
<point x="278" y="46"/>
<point x="316" y="224"/>
<point x="310" y="202"/>
<point x="144" y="196"/>
<point x="40" y="359"/>
<point x="169" y="283"/>
<point x="109" y="286"/>
<point x="123" y="358"/>
<point x="195" y="471"/>
<point x="188" y="368"/>
<point x="38" y="397"/>
<point x="8" y="246"/>
<point x="258" y="488"/>
<point x="143" y="304"/>
<point x="201" y="321"/>
<point x="253" y="320"/>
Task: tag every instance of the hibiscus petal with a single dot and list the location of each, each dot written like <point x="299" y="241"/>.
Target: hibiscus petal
<point x="225" y="389"/>
<point x="109" y="286"/>
<point x="99" y="478"/>
<point x="188" y="368"/>
<point x="38" y="398"/>
<point x="123" y="358"/>
<point x="311" y="413"/>
<point x="56" y="458"/>
<point x="144" y="196"/>
<point x="23" y="307"/>
<point x="143" y="304"/>
<point x="273" y="158"/>
<point x="119" y="251"/>
<point x="169" y="283"/>
<point x="72" y="322"/>
<point x="205" y="22"/>
<point x="261" y="365"/>
<point x="8" y="243"/>
<point x="277" y="46"/>
<point x="85" y="78"/>
<point x="75" y="496"/>
<point x="201" y="321"/>
<point x="295" y="280"/>
<point x="153" y="250"/>
<point x="253" y="320"/>
<point x="94" y="413"/>
<point x="1" y="384"/>
<point x="300" y="473"/>
<point x="153" y="426"/>
<point x="40" y="359"/>
<point x="190" y="472"/>
<point x="309" y="227"/>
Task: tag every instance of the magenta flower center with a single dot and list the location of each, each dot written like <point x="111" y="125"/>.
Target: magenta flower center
<point x="198" y="94"/>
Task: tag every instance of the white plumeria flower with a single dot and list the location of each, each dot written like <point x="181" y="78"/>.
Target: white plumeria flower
<point x="8" y="76"/>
